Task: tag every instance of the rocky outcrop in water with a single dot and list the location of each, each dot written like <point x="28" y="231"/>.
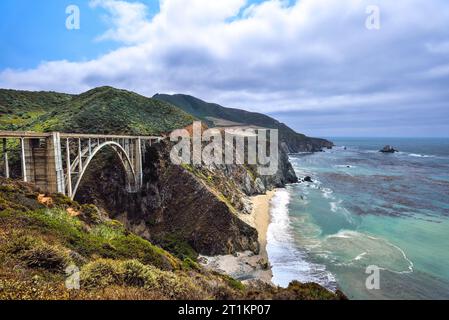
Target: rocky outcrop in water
<point x="388" y="149"/>
<point x="307" y="179"/>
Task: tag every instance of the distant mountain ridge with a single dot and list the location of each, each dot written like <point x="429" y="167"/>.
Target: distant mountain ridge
<point x="216" y="115"/>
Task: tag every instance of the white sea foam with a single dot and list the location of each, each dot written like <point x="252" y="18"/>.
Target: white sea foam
<point x="376" y="251"/>
<point x="360" y="256"/>
<point x="288" y="261"/>
<point x="345" y="234"/>
<point x="415" y="155"/>
<point x="420" y="155"/>
<point x="315" y="185"/>
<point x="345" y="166"/>
<point x="335" y="206"/>
<point x="327" y="193"/>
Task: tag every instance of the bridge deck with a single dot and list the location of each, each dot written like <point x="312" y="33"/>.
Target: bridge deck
<point x="29" y="134"/>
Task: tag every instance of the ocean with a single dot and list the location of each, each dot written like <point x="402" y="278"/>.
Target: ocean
<point x="365" y="208"/>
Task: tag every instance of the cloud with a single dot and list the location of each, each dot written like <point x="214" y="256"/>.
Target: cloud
<point x="307" y="57"/>
<point x="129" y="21"/>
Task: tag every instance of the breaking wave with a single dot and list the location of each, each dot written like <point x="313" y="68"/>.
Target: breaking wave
<point x="288" y="261"/>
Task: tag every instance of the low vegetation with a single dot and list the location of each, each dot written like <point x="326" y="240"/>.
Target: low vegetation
<point x="101" y="110"/>
<point x="43" y="236"/>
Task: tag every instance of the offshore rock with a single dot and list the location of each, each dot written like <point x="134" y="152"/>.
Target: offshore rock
<point x="388" y="149"/>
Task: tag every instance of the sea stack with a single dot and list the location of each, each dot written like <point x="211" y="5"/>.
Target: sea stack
<point x="388" y="149"/>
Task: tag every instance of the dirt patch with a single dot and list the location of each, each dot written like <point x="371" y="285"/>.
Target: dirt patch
<point x="46" y="201"/>
<point x="72" y="212"/>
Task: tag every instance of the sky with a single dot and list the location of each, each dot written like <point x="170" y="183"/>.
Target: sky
<point x="324" y="67"/>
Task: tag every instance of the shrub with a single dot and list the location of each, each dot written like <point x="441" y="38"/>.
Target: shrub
<point x="306" y="291"/>
<point x="130" y="246"/>
<point x="20" y="243"/>
<point x="36" y="253"/>
<point x="176" y="286"/>
<point x="8" y="188"/>
<point x="177" y="246"/>
<point x="44" y="256"/>
<point x="106" y="232"/>
<point x="101" y="273"/>
<point x="91" y="213"/>
<point x="137" y="274"/>
<point x="233" y="283"/>
<point x="189" y="264"/>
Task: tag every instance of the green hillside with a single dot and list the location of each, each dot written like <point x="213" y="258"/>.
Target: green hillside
<point x="101" y="110"/>
<point x="19" y="109"/>
<point x="214" y="114"/>
<point x="41" y="236"/>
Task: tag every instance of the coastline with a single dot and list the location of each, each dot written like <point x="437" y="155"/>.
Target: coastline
<point x="246" y="266"/>
<point x="261" y="216"/>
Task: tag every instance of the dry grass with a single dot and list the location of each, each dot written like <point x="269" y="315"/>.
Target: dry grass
<point x="38" y="242"/>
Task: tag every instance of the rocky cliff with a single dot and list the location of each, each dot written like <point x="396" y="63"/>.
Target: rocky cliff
<point x="193" y="206"/>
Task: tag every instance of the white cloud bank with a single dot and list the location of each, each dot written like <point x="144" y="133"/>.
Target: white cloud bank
<point x="276" y="56"/>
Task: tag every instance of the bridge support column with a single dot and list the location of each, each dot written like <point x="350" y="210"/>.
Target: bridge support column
<point x="55" y="171"/>
<point x="68" y="168"/>
<point x="42" y="163"/>
<point x="138" y="163"/>
<point x="24" y="156"/>
<point x="80" y="156"/>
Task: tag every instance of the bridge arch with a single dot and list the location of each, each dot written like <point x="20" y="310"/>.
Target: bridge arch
<point x="125" y="160"/>
<point x="46" y="158"/>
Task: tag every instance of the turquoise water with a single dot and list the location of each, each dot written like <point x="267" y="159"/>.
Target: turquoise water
<point x="366" y="208"/>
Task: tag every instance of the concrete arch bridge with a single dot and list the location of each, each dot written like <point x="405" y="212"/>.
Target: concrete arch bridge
<point x="57" y="162"/>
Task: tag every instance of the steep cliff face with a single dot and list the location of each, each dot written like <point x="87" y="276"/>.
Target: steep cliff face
<point x="193" y="205"/>
<point x="173" y="202"/>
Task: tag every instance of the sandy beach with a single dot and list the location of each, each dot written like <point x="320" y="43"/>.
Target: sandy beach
<point x="260" y="219"/>
<point x="247" y="265"/>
